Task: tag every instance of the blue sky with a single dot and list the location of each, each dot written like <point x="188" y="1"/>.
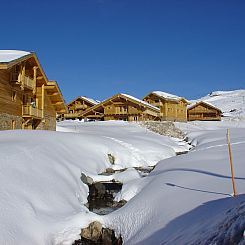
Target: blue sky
<point x="98" y="48"/>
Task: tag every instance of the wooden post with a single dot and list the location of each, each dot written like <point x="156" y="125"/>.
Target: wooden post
<point x="22" y="85"/>
<point x="43" y="100"/>
<point x="34" y="79"/>
<point x="231" y="164"/>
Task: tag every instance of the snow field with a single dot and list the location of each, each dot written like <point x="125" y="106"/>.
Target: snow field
<point x="41" y="193"/>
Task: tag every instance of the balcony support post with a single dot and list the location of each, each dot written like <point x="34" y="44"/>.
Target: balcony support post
<point x="34" y="79"/>
<point x="43" y="100"/>
<point x="23" y="71"/>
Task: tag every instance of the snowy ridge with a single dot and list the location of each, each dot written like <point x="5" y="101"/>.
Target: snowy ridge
<point x="10" y="55"/>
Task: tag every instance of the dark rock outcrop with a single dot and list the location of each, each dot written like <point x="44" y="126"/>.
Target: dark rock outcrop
<point x="96" y="234"/>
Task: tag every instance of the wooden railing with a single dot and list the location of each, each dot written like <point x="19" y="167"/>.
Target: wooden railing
<point x="24" y="81"/>
<point x="28" y="82"/>
<point x="30" y="111"/>
<point x="83" y="107"/>
<point x="71" y="115"/>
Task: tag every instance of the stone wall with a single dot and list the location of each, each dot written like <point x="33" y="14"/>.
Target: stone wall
<point x="49" y="123"/>
<point x="163" y="128"/>
<point x="6" y="121"/>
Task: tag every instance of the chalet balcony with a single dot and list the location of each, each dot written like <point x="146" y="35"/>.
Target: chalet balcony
<point x="30" y="111"/>
<point x="81" y="107"/>
<point x="25" y="81"/>
<point x="28" y="83"/>
<point x="71" y="115"/>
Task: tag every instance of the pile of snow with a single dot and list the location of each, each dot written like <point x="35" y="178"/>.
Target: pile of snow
<point x="10" y="55"/>
<point x="42" y="196"/>
<point x="188" y="199"/>
<point x="231" y="103"/>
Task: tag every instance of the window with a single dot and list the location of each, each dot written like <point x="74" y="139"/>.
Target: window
<point x="123" y="109"/>
<point x="14" y="95"/>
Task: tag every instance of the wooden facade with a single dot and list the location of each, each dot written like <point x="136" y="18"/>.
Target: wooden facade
<point x="28" y="100"/>
<point x="203" y="111"/>
<point x="78" y="106"/>
<point x="172" y="108"/>
<point x="122" y="107"/>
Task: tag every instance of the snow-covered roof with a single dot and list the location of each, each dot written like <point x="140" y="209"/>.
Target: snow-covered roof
<point x="166" y="95"/>
<point x="141" y="101"/>
<point x="89" y="100"/>
<point x="10" y="55"/>
<point x="204" y="102"/>
<point x="92" y="101"/>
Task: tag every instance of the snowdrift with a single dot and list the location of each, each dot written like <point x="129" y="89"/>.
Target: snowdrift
<point x="188" y="199"/>
<point x="41" y="193"/>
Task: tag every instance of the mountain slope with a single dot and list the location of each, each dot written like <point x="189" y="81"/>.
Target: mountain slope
<point x="232" y="103"/>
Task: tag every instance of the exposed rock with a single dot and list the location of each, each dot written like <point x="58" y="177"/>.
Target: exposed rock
<point x="86" y="179"/>
<point x="163" y="128"/>
<point x="111" y="158"/>
<point x="93" y="232"/>
<point x="96" y="234"/>
<point x="108" y="171"/>
<point x="101" y="197"/>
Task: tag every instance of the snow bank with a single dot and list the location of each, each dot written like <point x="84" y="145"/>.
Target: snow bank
<point x="41" y="193"/>
<point x="186" y="199"/>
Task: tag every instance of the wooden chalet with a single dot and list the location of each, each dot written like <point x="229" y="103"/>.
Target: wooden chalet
<point x="203" y="111"/>
<point x="172" y="107"/>
<point x="78" y="106"/>
<point x="28" y="100"/>
<point x="122" y="107"/>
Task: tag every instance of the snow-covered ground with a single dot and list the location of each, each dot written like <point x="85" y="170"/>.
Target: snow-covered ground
<point x="40" y="188"/>
<point x="186" y="199"/>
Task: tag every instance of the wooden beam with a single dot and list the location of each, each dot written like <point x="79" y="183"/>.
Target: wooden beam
<point x="34" y="79"/>
<point x="50" y="87"/>
<point x="62" y="111"/>
<point x="43" y="100"/>
<point x="57" y="103"/>
<point x="53" y="94"/>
